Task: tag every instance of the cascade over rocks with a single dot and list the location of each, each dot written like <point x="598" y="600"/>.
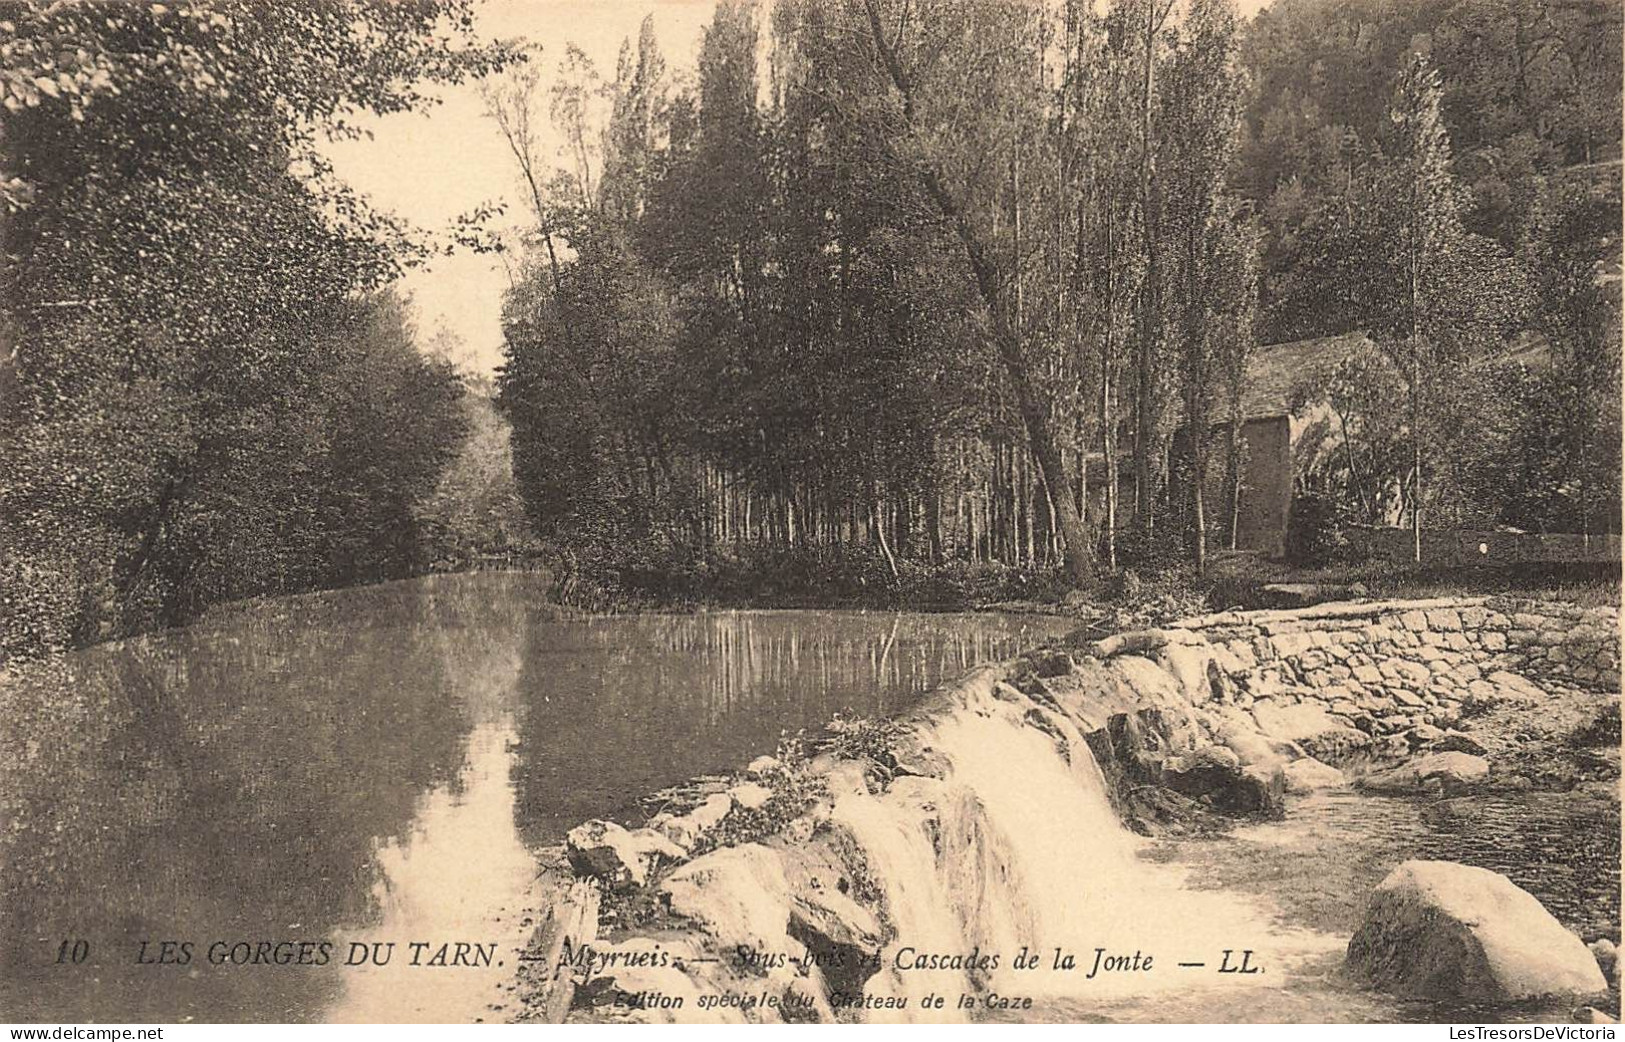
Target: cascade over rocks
<point x="737" y="894"/>
<point x="1441" y="930"/>
<point x="944" y="839"/>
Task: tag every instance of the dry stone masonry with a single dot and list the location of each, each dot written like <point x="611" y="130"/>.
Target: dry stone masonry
<point x="1391" y="676"/>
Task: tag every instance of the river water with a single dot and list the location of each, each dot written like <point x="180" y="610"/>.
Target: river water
<point x="380" y="766"/>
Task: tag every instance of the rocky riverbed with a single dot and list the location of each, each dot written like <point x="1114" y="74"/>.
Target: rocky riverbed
<point x="895" y="863"/>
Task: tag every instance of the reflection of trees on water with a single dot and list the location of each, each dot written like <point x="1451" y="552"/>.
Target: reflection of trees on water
<point x="233" y="781"/>
<point x="614" y="708"/>
<point x="239" y="779"/>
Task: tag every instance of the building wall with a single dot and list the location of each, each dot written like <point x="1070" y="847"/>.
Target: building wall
<point x="1266" y="485"/>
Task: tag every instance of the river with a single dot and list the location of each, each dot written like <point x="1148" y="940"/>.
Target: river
<point x="286" y="779"/>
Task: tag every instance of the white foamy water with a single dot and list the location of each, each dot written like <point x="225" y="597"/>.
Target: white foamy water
<point x="1025" y="850"/>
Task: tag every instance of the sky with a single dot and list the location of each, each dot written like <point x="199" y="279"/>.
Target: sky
<point x="430" y="166"/>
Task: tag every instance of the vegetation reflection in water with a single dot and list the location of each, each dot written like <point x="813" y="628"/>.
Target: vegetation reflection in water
<point x="309" y="769"/>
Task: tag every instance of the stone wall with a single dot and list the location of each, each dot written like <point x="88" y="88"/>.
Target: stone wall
<point x="1345" y="677"/>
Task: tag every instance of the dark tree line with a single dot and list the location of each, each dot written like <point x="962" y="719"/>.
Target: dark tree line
<point x="881" y="294"/>
<point x="944" y="282"/>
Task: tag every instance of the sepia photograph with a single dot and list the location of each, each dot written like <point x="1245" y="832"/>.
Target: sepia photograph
<point x="997" y="512"/>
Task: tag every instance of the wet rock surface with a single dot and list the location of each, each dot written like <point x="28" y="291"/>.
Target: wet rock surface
<point x="618" y="857"/>
<point x="1309" y="774"/>
<point x="1449" y="772"/>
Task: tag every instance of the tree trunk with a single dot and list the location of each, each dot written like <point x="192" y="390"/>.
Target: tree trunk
<point x="1144" y="427"/>
<point x="885" y="547"/>
<point x="1233" y="480"/>
<point x="1416" y="449"/>
<point x="933" y="508"/>
<point x="1199" y="504"/>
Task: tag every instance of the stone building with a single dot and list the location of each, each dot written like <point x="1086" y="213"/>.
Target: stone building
<point x="1272" y="422"/>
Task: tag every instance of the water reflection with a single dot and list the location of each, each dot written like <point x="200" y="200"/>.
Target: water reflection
<point x="616" y="708"/>
<point x="373" y="765"/>
<point x="459" y="876"/>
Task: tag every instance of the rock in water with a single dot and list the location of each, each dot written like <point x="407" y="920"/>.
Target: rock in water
<point x="1453" y="772"/>
<point x="1201" y="772"/>
<point x="1592" y="1015"/>
<point x="1216" y="774"/>
<point x="1607" y="958"/>
<point x="1441" y="930"/>
<point x="1261" y="792"/>
<point x="1308" y="774"/>
<point x="620" y="858"/>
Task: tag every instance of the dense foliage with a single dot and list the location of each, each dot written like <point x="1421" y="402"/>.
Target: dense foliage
<point x="950" y="285"/>
<point x="206" y="392"/>
<point x="883" y="299"/>
<point x="873" y="302"/>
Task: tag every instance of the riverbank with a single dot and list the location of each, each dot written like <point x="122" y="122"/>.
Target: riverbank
<point x="832" y="580"/>
<point x="1138" y="594"/>
<point x="811" y="886"/>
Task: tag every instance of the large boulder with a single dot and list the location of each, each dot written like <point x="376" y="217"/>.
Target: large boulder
<point x="1440" y="930"/>
<point x="843" y="938"/>
<point x="1216" y="775"/>
<point x="1201" y="772"/>
<point x="621" y="858"/>
<point x="1260" y="792"/>
<point x="1308" y="724"/>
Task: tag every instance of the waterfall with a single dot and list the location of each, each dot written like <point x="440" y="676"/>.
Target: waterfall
<point x="1017" y="845"/>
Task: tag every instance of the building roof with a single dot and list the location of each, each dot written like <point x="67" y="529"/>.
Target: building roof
<point x="1275" y="371"/>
